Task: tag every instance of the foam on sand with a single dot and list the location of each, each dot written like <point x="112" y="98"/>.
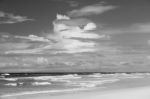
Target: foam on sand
<point x="40" y="92"/>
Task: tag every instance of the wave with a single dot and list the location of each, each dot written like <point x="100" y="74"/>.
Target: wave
<point x="91" y="83"/>
<point x="40" y="83"/>
<point x="58" y="78"/>
<point x="11" y="84"/>
<point x="119" y="75"/>
<point x="96" y="75"/>
<point x="75" y="80"/>
<point x="9" y="79"/>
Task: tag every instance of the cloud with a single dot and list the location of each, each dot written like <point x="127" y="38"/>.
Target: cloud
<point x="90" y="26"/>
<point x="6" y="37"/>
<point x="65" y="31"/>
<point x="90" y="10"/>
<point x="81" y="22"/>
<point x="70" y="36"/>
<point x="66" y="27"/>
<point x="9" y="18"/>
<point x="72" y="3"/>
<point x="62" y="17"/>
<point x="33" y="38"/>
<point x="13" y="46"/>
<point x="23" y="44"/>
<point x="69" y="31"/>
<point x="141" y="27"/>
<point x="69" y="28"/>
<point x="134" y="28"/>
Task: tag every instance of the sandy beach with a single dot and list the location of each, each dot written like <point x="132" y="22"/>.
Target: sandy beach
<point x="134" y="93"/>
<point x="130" y="93"/>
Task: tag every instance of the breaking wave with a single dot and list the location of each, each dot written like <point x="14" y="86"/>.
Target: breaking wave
<point x="58" y="78"/>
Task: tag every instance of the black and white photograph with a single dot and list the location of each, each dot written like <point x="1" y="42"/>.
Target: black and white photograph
<point x="74" y="49"/>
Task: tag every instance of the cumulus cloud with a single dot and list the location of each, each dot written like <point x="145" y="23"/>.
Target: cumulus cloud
<point x="70" y="30"/>
<point x="81" y="22"/>
<point x="90" y="10"/>
<point x="62" y="17"/>
<point x="90" y="26"/>
<point x="9" y="18"/>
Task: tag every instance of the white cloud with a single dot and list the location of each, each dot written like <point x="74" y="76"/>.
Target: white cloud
<point x="77" y="33"/>
<point x="8" y="18"/>
<point x="33" y="38"/>
<point x="61" y="17"/>
<point x="68" y="39"/>
<point x="72" y="31"/>
<point x="69" y="34"/>
<point x="90" y="10"/>
<point x="75" y="44"/>
<point x="90" y="26"/>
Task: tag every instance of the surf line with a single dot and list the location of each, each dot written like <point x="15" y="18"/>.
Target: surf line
<point x="38" y="92"/>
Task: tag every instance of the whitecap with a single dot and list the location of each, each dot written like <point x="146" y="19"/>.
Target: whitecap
<point x="11" y="84"/>
<point x="40" y="83"/>
<point x="5" y="74"/>
<point x="57" y="78"/>
<point x="10" y="79"/>
<point x="96" y="75"/>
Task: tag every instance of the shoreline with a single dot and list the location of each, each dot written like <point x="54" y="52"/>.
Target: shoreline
<point x="123" y="89"/>
<point x="125" y="93"/>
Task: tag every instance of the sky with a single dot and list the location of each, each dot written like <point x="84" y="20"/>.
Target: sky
<point x="74" y="36"/>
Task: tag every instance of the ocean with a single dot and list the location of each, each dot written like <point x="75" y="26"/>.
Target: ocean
<point x="17" y="84"/>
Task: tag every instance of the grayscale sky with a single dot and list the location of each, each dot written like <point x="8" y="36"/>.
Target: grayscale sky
<point x="74" y="36"/>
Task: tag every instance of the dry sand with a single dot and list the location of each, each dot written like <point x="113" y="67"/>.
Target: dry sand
<point x="134" y="93"/>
